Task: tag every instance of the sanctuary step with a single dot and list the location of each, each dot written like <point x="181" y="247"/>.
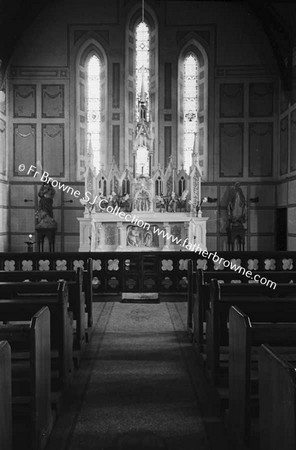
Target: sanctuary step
<point x="140" y="297"/>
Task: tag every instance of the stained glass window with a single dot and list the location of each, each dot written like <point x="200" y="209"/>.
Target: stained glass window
<point x="190" y="107"/>
<point x="93" y="104"/>
<point x="142" y="67"/>
<point x="142" y="95"/>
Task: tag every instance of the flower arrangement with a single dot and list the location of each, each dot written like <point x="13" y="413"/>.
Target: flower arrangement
<point x="88" y="206"/>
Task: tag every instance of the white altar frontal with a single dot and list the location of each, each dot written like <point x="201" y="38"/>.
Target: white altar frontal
<point x="135" y="231"/>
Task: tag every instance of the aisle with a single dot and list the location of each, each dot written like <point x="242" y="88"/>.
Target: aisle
<point x="134" y="385"/>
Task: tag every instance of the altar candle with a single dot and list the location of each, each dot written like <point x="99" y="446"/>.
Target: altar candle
<point x="173" y="180"/>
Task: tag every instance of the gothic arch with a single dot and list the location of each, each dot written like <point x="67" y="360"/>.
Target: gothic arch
<point x="86" y="48"/>
<point x="194" y="46"/>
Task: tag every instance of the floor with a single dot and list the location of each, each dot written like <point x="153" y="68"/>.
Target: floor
<point x="139" y="386"/>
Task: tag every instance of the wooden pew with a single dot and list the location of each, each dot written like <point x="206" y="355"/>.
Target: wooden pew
<point x="31" y="383"/>
<point x="76" y="296"/>
<point x="201" y="285"/>
<point x="56" y="275"/>
<point x="251" y="298"/>
<point x="5" y="397"/>
<point x="245" y="337"/>
<point x="23" y="300"/>
<point x="277" y="394"/>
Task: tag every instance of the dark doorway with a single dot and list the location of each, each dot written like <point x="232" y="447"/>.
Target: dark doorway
<point x="281" y="229"/>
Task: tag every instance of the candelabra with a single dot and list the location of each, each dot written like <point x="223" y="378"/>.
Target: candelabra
<point x="30" y="243"/>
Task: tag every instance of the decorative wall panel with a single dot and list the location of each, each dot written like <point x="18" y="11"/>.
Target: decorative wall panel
<point x="293" y="141"/>
<point x="2" y="147"/>
<point x="24" y="145"/>
<point x="261" y="148"/>
<point x="231" y="100"/>
<point x="115" y="142"/>
<point x="131" y="107"/>
<point x="53" y="100"/>
<point x="53" y="146"/>
<point x="167" y="144"/>
<point x="261" y="99"/>
<point x="167" y="85"/>
<point x="231" y="149"/>
<point x="284" y="146"/>
<point x="116" y="85"/>
<point x="82" y="97"/>
<point x="24" y="100"/>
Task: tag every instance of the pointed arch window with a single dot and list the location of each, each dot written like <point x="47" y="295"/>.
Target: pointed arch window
<point x="93" y="109"/>
<point x="193" y="72"/>
<point x="141" y="150"/>
<point x="190" y="107"/>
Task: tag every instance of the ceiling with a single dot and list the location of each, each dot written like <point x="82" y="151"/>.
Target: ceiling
<point x="278" y="19"/>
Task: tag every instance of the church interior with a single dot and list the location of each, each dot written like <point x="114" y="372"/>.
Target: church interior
<point x="147" y="224"/>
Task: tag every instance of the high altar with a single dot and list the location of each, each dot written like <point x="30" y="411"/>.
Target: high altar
<point x="143" y="206"/>
<point x="142" y="213"/>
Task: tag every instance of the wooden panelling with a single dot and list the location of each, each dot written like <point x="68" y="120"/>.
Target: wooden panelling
<point x="212" y="222"/>
<point x="282" y="194"/>
<point x="22" y="220"/>
<point x="3" y="168"/>
<point x="292" y="193"/>
<point x="53" y="100"/>
<point x="261" y="221"/>
<point x="293" y="141"/>
<point x="53" y="147"/>
<point x="291" y="219"/>
<point x="284" y="146"/>
<point x="261" y="148"/>
<point x="231" y="100"/>
<point x="261" y="243"/>
<point x="266" y="194"/>
<point x="22" y="195"/>
<point x="261" y="99"/>
<point x="24" y="145"/>
<point x="231" y="149"/>
<point x="71" y="223"/>
<point x="24" y="100"/>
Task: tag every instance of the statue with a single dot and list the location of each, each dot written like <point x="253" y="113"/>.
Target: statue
<point x="46" y="194"/>
<point x="173" y="203"/>
<point x="44" y="214"/>
<point x="236" y="206"/>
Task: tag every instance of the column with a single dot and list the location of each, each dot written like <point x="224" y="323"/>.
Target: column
<point x="121" y="236"/>
<point x="167" y="230"/>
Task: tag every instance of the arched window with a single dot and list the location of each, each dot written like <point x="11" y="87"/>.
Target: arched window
<point x="190" y="107"/>
<point x="193" y="106"/>
<point x="91" y="107"/>
<point x="141" y="150"/>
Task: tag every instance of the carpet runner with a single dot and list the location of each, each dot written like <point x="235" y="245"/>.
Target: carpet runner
<point x="134" y="389"/>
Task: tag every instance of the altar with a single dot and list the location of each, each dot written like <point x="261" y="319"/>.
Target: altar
<point x="133" y="203"/>
<point x="141" y="231"/>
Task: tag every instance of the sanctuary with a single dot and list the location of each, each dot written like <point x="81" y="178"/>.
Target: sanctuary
<point x="161" y="211"/>
<point x="142" y="205"/>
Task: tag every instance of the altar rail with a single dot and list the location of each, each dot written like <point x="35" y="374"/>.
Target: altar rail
<point x="162" y="272"/>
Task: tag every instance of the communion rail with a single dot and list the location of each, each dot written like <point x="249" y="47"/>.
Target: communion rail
<point x="163" y="272"/>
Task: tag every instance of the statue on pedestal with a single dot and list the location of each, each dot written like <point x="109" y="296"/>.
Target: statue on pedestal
<point x="46" y="225"/>
<point x="44" y="214"/>
<point x="236" y="209"/>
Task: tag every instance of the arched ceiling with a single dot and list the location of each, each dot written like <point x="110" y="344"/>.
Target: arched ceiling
<point x="277" y="18"/>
